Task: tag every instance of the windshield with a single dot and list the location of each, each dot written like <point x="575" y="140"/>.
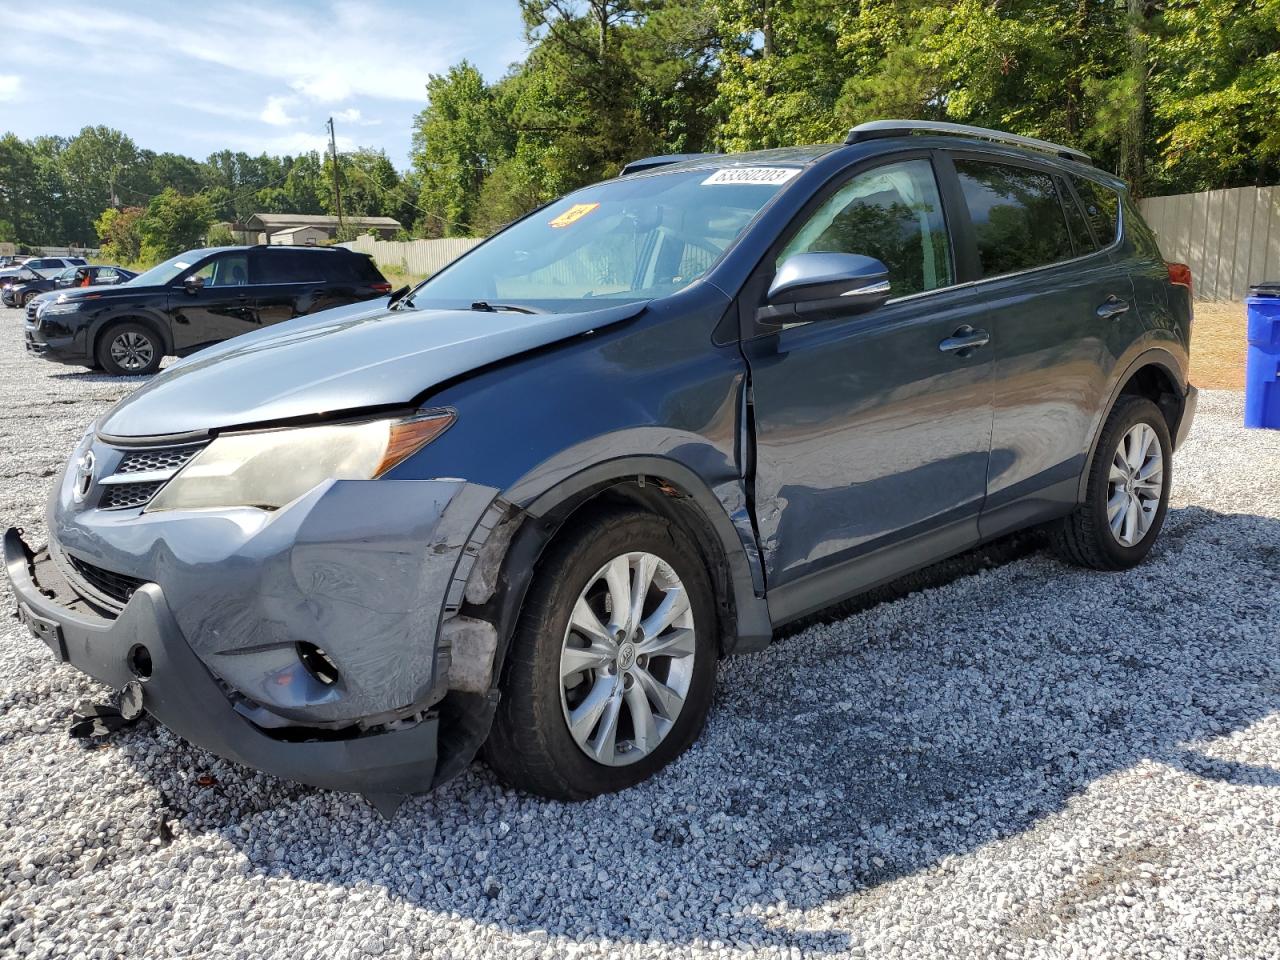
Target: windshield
<point x="635" y="238"/>
<point x="164" y="273"/>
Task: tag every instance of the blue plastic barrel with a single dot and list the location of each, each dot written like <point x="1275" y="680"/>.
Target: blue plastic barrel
<point x="1262" y="368"/>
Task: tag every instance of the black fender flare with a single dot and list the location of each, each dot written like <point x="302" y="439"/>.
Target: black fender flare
<point x="737" y="542"/>
<point x="1152" y="356"/>
<point x="156" y="324"/>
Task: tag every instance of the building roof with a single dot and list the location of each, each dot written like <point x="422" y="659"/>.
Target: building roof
<point x="283" y="220"/>
<point x="290" y="231"/>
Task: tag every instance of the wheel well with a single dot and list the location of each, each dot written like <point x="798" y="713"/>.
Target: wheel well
<point x="129" y="318"/>
<point x="1156" y="384"/>
<point x="664" y="498"/>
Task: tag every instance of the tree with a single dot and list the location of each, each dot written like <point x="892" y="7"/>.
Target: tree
<point x="457" y="141"/>
<point x="174" y="223"/>
<point x="120" y="235"/>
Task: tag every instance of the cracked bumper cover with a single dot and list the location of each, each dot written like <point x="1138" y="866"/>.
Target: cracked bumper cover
<point x="182" y="694"/>
<point x="365" y="570"/>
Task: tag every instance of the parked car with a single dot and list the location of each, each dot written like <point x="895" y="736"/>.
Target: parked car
<point x="196" y="299"/>
<point x="12" y="277"/>
<point x="21" y="294"/>
<point x="532" y="504"/>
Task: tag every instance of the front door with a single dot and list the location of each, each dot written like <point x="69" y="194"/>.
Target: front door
<point x="872" y="430"/>
<point x="219" y="310"/>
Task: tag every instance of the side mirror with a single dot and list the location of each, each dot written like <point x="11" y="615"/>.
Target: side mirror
<point x="193" y="284"/>
<point x="810" y="286"/>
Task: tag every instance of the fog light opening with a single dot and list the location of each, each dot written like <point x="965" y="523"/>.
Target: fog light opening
<point x="140" y="661"/>
<point x="317" y="663"/>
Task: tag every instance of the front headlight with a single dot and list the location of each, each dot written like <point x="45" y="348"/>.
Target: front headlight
<point x="61" y="306"/>
<point x="269" y="468"/>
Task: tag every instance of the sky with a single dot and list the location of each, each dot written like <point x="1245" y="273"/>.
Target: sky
<point x="206" y="75"/>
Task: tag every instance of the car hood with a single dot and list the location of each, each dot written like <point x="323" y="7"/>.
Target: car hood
<point x="337" y="361"/>
<point x="113" y="290"/>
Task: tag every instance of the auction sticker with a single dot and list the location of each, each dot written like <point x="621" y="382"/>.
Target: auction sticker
<point x="765" y="175"/>
<point x="573" y="214"/>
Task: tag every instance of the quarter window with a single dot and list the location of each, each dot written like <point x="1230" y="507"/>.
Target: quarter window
<point x="892" y="213"/>
<point x="1017" y="218"/>
<point x="1102" y="206"/>
<point x="1080" y="234"/>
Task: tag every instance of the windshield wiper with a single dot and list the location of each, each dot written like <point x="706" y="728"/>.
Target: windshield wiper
<point x="484" y="306"/>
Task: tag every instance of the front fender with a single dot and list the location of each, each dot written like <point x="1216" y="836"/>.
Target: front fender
<point x="156" y="321"/>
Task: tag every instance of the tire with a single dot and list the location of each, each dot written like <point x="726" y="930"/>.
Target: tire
<point x="27" y="299"/>
<point x="138" y="348"/>
<point x="1087" y="537"/>
<point x="531" y="746"/>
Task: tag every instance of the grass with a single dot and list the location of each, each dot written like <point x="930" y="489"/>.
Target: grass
<point x="1218" y="346"/>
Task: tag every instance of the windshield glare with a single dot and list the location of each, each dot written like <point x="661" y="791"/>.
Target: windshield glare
<point x="635" y="238"/>
<point x="164" y="273"/>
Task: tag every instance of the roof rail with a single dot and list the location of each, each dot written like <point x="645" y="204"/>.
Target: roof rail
<point x="648" y="163"/>
<point x="879" y="129"/>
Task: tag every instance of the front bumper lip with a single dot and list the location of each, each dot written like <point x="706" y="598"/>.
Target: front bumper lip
<point x="181" y="693"/>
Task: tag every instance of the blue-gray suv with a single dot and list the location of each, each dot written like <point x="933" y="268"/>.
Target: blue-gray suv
<point x="529" y="506"/>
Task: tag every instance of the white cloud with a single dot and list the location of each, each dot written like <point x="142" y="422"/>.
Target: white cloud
<point x="276" y="112"/>
<point x="353" y="115"/>
<point x="10" y="84"/>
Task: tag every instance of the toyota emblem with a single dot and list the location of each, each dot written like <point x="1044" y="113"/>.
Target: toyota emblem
<point x="84" y="477"/>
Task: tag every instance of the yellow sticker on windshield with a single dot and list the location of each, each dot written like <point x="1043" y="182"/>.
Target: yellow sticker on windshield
<point x="573" y="214"/>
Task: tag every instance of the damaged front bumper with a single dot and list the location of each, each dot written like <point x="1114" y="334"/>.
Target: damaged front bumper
<point x="180" y="692"/>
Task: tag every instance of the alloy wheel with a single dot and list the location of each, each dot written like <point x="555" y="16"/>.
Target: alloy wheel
<point x="1135" y="484"/>
<point x="627" y="659"/>
<point x="132" y="351"/>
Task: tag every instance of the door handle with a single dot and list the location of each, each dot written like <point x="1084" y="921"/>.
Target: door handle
<point x="1112" y="307"/>
<point x="964" y="341"/>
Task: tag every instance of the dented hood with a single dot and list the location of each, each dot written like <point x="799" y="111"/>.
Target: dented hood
<point x="339" y="360"/>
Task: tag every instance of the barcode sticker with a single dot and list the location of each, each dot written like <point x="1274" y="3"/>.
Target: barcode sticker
<point x="766" y="175"/>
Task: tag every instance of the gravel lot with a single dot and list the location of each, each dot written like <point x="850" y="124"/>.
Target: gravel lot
<point x="1029" y="760"/>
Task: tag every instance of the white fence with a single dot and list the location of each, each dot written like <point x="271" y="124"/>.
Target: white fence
<point x="1229" y="238"/>
<point x="421" y="257"/>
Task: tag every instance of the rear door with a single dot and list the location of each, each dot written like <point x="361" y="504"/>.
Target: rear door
<point x="284" y="283"/>
<point x="1055" y="300"/>
<point x="871" y="432"/>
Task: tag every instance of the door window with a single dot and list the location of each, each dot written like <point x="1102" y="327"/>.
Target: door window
<point x="229" y="270"/>
<point x="892" y="213"/>
<point x="1017" y="217"/>
<point x="287" y="266"/>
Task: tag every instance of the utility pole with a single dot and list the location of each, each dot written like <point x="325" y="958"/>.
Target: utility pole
<point x="337" y="189"/>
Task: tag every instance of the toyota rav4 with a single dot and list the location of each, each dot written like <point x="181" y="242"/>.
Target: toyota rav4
<point x="531" y="505"/>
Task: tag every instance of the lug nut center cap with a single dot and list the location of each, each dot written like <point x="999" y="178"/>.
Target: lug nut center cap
<point x="626" y="656"/>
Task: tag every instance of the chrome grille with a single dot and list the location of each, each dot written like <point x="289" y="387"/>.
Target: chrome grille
<point x="32" y="307"/>
<point x="161" y="458"/>
<point x="122" y="496"/>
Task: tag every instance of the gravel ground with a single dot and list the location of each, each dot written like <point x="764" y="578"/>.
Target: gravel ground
<point x="1029" y="760"/>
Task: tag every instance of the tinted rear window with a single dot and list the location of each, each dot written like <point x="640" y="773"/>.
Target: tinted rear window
<point x="1081" y="235"/>
<point x="1017" y="217"/>
<point x="357" y="267"/>
<point x="287" y="266"/>
<point x="1101" y="206"/>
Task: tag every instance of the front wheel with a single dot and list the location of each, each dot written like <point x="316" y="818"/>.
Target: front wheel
<point x="1128" y="491"/>
<point x="612" y="666"/>
<point x="129" y="349"/>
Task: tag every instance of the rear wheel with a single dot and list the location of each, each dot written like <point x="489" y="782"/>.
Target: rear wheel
<point x="612" y="666"/>
<point x="129" y="349"/>
<point x="1128" y="491"/>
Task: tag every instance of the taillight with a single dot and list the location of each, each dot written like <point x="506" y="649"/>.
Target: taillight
<point x="1180" y="274"/>
<point x="385" y="287"/>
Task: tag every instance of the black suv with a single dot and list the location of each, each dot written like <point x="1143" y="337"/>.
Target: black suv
<point x="195" y="299"/>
